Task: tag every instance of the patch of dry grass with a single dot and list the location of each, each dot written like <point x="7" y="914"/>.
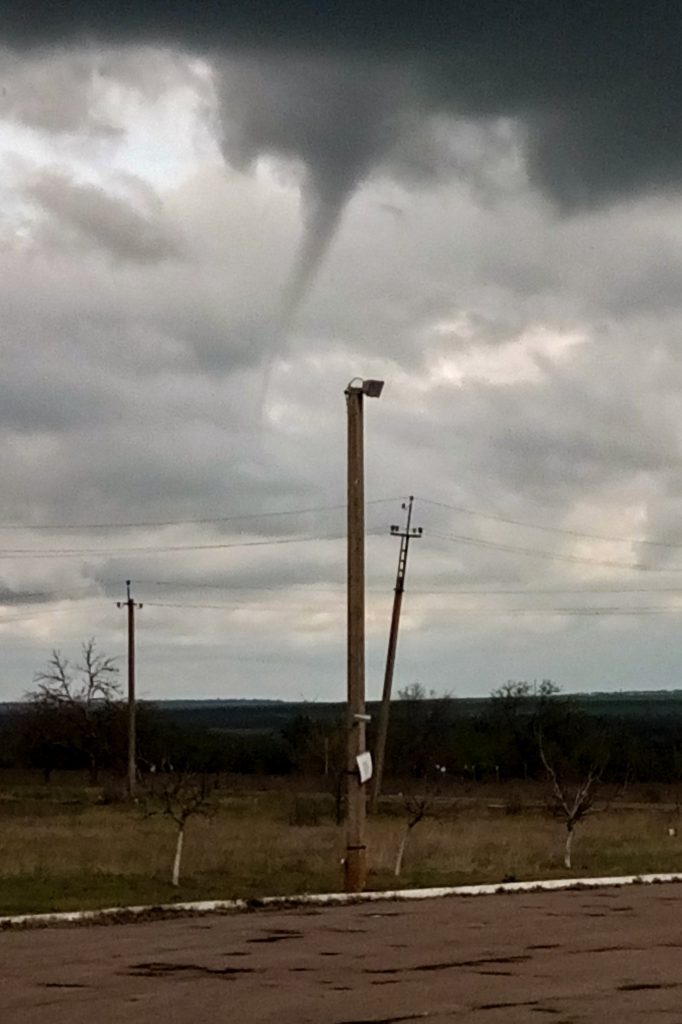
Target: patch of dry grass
<point x="84" y="854"/>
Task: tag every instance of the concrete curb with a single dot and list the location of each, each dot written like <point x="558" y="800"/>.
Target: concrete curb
<point x="125" y="915"/>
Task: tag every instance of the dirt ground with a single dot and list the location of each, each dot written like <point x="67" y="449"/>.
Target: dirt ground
<point x="598" y="955"/>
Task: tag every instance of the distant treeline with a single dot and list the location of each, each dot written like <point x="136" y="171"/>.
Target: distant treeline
<point x="638" y="735"/>
<point x="268" y="715"/>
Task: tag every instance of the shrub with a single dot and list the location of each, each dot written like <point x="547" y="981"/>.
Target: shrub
<point x="308" y="809"/>
<point x="513" y="803"/>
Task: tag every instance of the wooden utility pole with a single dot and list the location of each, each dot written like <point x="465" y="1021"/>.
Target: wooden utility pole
<point x="130" y="604"/>
<point x="406" y="536"/>
<point x="355" y="863"/>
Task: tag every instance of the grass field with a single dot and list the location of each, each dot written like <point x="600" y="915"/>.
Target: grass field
<point x="61" y="849"/>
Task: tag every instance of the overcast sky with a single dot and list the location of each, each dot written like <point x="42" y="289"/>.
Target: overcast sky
<point x="208" y="227"/>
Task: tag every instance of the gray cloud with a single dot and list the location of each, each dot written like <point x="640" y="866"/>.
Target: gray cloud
<point x="532" y="365"/>
<point x="50" y="93"/>
<point x="103" y="220"/>
<point x="66" y="91"/>
<point x="10" y="597"/>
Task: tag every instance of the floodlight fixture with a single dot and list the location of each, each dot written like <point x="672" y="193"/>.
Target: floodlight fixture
<point x="372" y="388"/>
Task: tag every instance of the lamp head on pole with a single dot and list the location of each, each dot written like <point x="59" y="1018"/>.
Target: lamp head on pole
<point x="371" y="388"/>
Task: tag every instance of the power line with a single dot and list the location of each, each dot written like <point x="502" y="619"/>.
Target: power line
<point x="185" y="522"/>
<point x="12" y="553"/>
<point x="473" y="610"/>
<point x="182" y="585"/>
<point x="285" y="606"/>
<point x="279" y="513"/>
<point x="550" y="529"/>
<point x="223" y="606"/>
<point x="550" y="590"/>
<point x="45" y="597"/>
<point x="570" y="610"/>
<point x="536" y="553"/>
<point x="652" y="610"/>
<point x="421" y="591"/>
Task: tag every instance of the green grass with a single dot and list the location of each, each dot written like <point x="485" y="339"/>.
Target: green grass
<point x="62" y="850"/>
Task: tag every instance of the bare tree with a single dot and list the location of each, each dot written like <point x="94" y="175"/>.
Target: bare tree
<point x="415" y="691"/>
<point x="574" y="802"/>
<point x="421" y="730"/>
<point x="80" y="699"/>
<point x="515" y="713"/>
<point x="179" y="796"/>
<point x="418" y="806"/>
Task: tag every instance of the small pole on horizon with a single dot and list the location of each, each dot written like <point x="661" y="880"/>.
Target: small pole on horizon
<point x="130" y="604"/>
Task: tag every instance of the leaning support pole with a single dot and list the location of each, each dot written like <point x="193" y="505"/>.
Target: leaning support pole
<point x="382" y="733"/>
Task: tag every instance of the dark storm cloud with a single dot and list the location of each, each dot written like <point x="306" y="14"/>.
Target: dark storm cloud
<point x="591" y="92"/>
<point x="597" y="85"/>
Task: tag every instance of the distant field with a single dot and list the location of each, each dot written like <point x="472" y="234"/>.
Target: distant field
<point x="61" y="849"/>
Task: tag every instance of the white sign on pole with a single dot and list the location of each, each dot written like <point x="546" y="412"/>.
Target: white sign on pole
<point x="364" y="762"/>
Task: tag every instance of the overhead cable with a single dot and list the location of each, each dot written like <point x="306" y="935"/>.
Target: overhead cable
<point x="207" y="521"/>
<point x="550" y="529"/>
<point x="555" y="555"/>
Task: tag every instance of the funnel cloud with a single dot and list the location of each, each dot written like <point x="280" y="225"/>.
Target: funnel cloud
<point x="331" y="120"/>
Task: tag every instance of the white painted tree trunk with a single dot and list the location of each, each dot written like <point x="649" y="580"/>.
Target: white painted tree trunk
<point x="401" y="852"/>
<point x="567" y="851"/>
<point x="178" y="855"/>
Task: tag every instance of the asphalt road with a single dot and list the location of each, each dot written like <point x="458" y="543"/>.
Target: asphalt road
<point x="607" y="955"/>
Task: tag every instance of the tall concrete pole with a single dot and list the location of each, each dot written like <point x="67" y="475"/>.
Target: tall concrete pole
<point x="382" y="733"/>
<point x="355" y="864"/>
<point x="356" y="849"/>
